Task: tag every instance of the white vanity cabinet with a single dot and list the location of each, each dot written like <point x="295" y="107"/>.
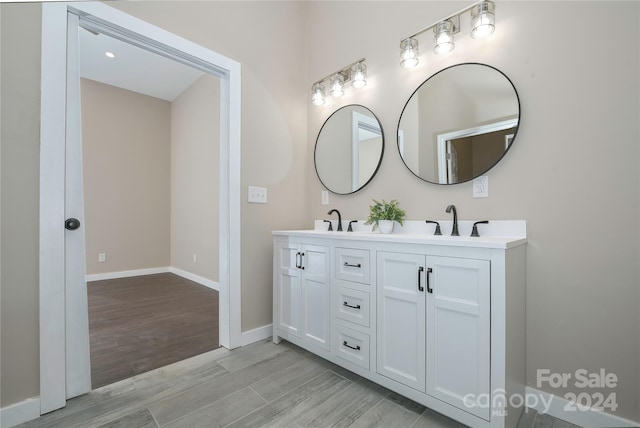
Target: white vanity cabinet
<point x="303" y="292"/>
<point x="439" y="320"/>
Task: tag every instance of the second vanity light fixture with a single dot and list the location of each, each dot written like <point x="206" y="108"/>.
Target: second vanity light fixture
<point x="356" y="73"/>
<point x="482" y="25"/>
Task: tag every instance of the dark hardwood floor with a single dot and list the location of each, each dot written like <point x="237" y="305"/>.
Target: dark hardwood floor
<point x="141" y="323"/>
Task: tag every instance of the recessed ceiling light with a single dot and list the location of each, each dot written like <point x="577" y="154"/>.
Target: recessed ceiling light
<point x="110" y="54"/>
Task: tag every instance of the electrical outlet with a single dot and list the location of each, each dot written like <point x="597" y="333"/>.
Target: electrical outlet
<point x="102" y="257"/>
<point x="257" y="195"/>
<point x="325" y="197"/>
<point x="481" y="187"/>
<point x="195" y="258"/>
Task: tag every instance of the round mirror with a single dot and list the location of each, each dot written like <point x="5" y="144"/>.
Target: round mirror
<point x="459" y="123"/>
<point x="349" y="149"/>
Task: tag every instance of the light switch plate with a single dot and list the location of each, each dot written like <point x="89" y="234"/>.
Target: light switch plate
<point x="481" y="187"/>
<point x="257" y="195"/>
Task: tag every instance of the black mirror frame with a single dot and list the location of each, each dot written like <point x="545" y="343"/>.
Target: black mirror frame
<point x="422" y="84"/>
<point x="315" y="163"/>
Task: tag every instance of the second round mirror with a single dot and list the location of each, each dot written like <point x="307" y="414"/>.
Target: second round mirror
<point x="459" y="123"/>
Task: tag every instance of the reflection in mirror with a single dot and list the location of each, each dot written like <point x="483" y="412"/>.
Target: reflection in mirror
<point x="458" y="124"/>
<point x="349" y="149"/>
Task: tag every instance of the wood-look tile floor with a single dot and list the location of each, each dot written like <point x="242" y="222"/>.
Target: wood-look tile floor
<point x="141" y="323"/>
<point x="259" y="385"/>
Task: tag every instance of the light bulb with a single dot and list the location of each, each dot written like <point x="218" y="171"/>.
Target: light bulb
<point x="409" y="53"/>
<point x="483" y="20"/>
<point x="317" y="97"/>
<point x="443" y="35"/>
<point x="359" y="75"/>
<point x="336" y="87"/>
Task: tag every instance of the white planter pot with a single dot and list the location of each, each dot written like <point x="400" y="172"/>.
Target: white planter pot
<point x="385" y="226"/>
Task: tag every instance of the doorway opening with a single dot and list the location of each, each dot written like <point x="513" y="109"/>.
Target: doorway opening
<point x="150" y="145"/>
<point x="64" y="350"/>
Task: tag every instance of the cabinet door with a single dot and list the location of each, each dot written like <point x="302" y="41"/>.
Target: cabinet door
<point x="289" y="291"/>
<point x="401" y="318"/>
<point x="458" y="332"/>
<point x="316" y="295"/>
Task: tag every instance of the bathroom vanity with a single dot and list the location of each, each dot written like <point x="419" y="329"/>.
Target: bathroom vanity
<point x="438" y="319"/>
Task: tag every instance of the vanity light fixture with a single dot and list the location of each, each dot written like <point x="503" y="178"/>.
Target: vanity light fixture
<point x="356" y="73"/>
<point x="482" y="25"/>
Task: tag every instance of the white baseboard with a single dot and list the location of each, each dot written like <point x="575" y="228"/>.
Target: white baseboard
<point x="257" y="334"/>
<point x="18" y="413"/>
<point x="140" y="272"/>
<point x="196" y="278"/>
<point x="125" y="274"/>
<point x="586" y="417"/>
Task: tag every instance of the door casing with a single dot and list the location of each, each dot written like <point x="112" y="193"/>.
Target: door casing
<point x="54" y="327"/>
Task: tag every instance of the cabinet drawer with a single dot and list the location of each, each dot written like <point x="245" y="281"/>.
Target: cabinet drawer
<point x="352" y="346"/>
<point x="352" y="265"/>
<point x="351" y="305"/>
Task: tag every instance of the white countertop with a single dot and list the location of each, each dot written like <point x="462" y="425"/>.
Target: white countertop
<point x="497" y="234"/>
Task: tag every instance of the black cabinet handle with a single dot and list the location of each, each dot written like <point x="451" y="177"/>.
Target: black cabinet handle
<point x="350" y="265"/>
<point x="301" y="261"/>
<point x="357" y="347"/>
<point x="420" y="270"/>
<point x="349" y="306"/>
<point x="298" y="263"/>
<point x="429" y="289"/>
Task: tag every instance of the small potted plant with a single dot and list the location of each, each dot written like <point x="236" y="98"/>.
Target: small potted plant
<point x="383" y="215"/>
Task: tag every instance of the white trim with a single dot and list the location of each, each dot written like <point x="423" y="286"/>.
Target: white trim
<point x="257" y="334"/>
<point x="21" y="412"/>
<point x="52" y="200"/>
<point x="196" y="278"/>
<point x="53" y="110"/>
<point x="586" y="417"/>
<point x="126" y="273"/>
<point x="152" y="271"/>
<point x="442" y="140"/>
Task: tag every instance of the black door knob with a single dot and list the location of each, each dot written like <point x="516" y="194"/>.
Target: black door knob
<point x="72" y="224"/>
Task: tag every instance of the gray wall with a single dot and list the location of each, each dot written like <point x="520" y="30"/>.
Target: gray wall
<point x="126" y="150"/>
<point x="20" y="139"/>
<point x="195" y="160"/>
<point x="572" y="172"/>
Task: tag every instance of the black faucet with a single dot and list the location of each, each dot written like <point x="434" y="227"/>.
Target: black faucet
<point x="454" y="231"/>
<point x="339" y="218"/>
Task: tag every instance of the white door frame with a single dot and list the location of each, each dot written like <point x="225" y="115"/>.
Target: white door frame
<point x="53" y="121"/>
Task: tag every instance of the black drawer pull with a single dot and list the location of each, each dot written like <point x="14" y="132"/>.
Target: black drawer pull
<point x="349" y="306"/>
<point x="357" y="347"/>
<point x="350" y="265"/>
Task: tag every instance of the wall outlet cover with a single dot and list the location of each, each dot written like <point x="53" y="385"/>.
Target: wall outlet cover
<point x="325" y="197"/>
<point x="481" y="187"/>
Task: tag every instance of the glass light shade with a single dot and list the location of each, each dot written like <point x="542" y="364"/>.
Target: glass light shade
<point x="359" y="75"/>
<point x="336" y="87"/>
<point x="483" y="20"/>
<point x="443" y="36"/>
<point x="409" y="53"/>
<point x="317" y="97"/>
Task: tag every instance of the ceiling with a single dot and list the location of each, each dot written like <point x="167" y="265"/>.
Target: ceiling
<point x="133" y="68"/>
